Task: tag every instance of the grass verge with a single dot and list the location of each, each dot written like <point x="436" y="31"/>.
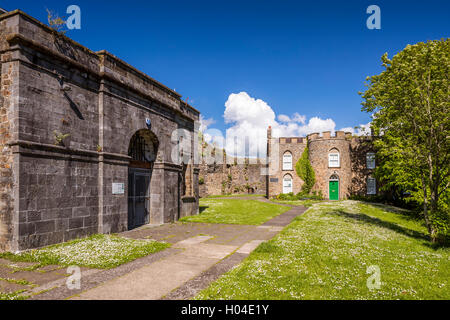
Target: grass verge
<point x="332" y="252"/>
<point x="97" y="251"/>
<point x="236" y="211"/>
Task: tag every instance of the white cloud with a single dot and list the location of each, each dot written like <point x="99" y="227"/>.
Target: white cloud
<point x="283" y="118"/>
<point x="299" y="118"/>
<point x="250" y="118"/>
<point x="205" y="123"/>
<point x="361" y="130"/>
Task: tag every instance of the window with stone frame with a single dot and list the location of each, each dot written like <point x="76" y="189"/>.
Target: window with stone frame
<point x="287" y="184"/>
<point x="370" y="160"/>
<point x="287" y="161"/>
<point x="333" y="160"/>
<point x="371" y="186"/>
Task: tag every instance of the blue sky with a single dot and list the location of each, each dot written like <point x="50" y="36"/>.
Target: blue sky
<point x="305" y="57"/>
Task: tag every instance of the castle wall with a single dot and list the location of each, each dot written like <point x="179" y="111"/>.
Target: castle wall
<point x="319" y="148"/>
<point x="352" y="172"/>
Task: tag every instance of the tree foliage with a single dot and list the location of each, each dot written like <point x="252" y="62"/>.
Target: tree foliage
<point x="306" y="172"/>
<point x="56" y="22"/>
<point x="410" y="107"/>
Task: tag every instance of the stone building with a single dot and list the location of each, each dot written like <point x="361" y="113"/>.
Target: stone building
<point x="86" y="141"/>
<point x="343" y="164"/>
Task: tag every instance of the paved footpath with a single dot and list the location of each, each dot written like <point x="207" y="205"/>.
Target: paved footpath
<point x="200" y="253"/>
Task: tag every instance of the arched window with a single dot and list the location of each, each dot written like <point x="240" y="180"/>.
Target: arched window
<point x="370" y="160"/>
<point x="371" y="185"/>
<point x="287" y="161"/>
<point x="287" y="183"/>
<point x="143" y="148"/>
<point x="334" y="159"/>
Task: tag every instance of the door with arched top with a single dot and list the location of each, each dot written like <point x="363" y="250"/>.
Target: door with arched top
<point x="333" y="189"/>
<point x="142" y="150"/>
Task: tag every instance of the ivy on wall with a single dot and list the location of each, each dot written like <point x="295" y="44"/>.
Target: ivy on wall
<point x="306" y="172"/>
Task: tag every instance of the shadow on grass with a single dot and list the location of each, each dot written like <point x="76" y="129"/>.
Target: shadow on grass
<point x="202" y="208"/>
<point x="405" y="213"/>
<point x="384" y="224"/>
<point x="395" y="227"/>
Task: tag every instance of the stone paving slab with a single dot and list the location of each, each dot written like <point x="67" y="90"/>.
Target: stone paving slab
<point x="192" y="287"/>
<point x="249" y="246"/>
<point x="156" y="280"/>
<point x="91" y="278"/>
<point x="192" y="241"/>
<point x="9" y="287"/>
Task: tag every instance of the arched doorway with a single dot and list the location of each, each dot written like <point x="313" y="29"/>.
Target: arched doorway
<point x="142" y="150"/>
<point x="333" y="189"/>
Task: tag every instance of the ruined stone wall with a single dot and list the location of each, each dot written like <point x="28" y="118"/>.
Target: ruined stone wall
<point x="238" y="177"/>
<point x="67" y="118"/>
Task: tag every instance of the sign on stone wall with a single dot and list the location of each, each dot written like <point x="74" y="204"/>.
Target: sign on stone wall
<point x="118" y="188"/>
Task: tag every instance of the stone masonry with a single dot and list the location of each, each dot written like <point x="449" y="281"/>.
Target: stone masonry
<point x="67" y="116"/>
<point x="352" y="172"/>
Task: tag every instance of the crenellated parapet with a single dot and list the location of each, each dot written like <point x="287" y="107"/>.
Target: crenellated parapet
<point x="327" y="135"/>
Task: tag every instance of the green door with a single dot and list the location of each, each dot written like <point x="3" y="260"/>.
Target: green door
<point x="334" y="190"/>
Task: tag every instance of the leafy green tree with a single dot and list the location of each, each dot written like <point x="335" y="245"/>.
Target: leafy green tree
<point x="410" y="107"/>
<point x="306" y="172"/>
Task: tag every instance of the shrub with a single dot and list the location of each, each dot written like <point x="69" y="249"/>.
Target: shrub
<point x="299" y="196"/>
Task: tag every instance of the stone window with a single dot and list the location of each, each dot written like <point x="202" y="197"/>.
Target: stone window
<point x="287" y="183"/>
<point x="333" y="160"/>
<point x="287" y="161"/>
<point x="370" y="160"/>
<point x="371" y="185"/>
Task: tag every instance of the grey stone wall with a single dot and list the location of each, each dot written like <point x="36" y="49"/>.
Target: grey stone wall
<point x="67" y="117"/>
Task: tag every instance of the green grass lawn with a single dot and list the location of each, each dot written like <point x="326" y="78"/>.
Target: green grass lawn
<point x="97" y="251"/>
<point x="234" y="195"/>
<point x="236" y="211"/>
<point x="326" y="254"/>
<point x="307" y="203"/>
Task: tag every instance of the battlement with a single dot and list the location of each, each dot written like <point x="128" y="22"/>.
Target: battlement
<point x="327" y="135"/>
<point x="287" y="140"/>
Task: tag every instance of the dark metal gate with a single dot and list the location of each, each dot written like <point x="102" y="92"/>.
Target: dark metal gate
<point x="138" y="197"/>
